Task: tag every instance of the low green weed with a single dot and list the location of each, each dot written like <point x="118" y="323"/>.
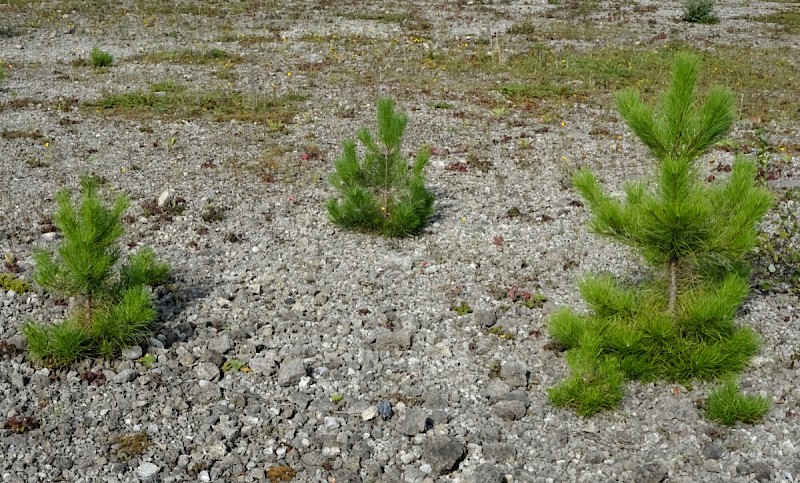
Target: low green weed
<point x="462" y="309"/>
<point x="9" y="281"/>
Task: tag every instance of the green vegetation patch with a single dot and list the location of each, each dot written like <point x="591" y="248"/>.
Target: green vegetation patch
<point x="9" y="281"/>
<point x="175" y="101"/>
<point x="191" y="57"/>
<point x="788" y="20"/>
<point x="727" y="405"/>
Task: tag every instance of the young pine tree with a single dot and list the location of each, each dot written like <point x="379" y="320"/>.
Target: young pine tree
<point x="114" y="308"/>
<point x="694" y="235"/>
<point x="381" y="193"/>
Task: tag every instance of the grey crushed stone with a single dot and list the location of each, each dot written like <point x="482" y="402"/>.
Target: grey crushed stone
<point x="313" y="310"/>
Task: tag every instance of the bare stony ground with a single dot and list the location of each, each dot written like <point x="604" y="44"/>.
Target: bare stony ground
<point x="288" y="350"/>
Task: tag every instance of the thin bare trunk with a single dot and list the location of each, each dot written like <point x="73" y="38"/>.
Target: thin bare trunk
<point x="673" y="285"/>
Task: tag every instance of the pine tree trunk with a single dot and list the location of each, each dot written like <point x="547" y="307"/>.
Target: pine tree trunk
<point x="673" y="285"/>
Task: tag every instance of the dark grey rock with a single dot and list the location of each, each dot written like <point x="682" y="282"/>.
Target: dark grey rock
<point x="484" y="318"/>
<point x="653" y="472"/>
<point x="132" y="353"/>
<point x="501" y="452"/>
<point x="515" y="374"/>
<point x="489" y="473"/>
<point x="495" y="390"/>
<point x="397" y="339"/>
<point x="207" y="371"/>
<point x="414" y="422"/>
<point x="384" y="408"/>
<point x="125" y="375"/>
<point x="762" y="471"/>
<point x="221" y="344"/>
<point x="443" y="453"/>
<point x="313" y="458"/>
<point x="291" y="372"/>
<point x="213" y="357"/>
<point x="510" y="410"/>
<point x="712" y="451"/>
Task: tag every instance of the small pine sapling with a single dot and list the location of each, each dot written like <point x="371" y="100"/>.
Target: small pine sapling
<point x="679" y="325"/>
<point x="114" y="307"/>
<point x="381" y="193"/>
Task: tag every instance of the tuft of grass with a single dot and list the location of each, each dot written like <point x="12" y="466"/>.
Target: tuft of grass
<point x="699" y="11"/>
<point x="100" y="58"/>
<point x="175" y="101"/>
<point x="595" y="383"/>
<point x="727" y="405"/>
<point x="462" y="309"/>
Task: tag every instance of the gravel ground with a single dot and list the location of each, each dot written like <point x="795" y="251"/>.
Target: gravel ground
<point x="355" y="367"/>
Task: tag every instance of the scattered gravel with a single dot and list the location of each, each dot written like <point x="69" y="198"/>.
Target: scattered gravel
<point x="310" y="311"/>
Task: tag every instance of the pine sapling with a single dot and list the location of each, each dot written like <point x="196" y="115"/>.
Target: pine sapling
<point x="114" y="308"/>
<point x="695" y="236"/>
<point x="381" y="192"/>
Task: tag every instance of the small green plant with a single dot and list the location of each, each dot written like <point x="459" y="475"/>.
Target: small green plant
<point x="114" y="308"/>
<point x="2" y="72"/>
<point x="678" y="324"/>
<point x="337" y="397"/>
<point x="9" y="281"/>
<point x="501" y="333"/>
<point x="699" y="11"/>
<point x="235" y="365"/>
<point x="100" y="58"/>
<point x="494" y="369"/>
<point x="727" y="405"/>
<point x="381" y="193"/>
<point x="462" y="309"/>
<point x="146" y="360"/>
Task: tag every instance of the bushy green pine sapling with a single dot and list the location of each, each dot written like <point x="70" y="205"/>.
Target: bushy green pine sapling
<point x="679" y="324"/>
<point x="114" y="308"/>
<point x="381" y="193"/>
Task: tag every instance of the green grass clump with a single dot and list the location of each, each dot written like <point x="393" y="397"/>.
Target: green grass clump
<point x="696" y="237"/>
<point x="100" y="58"/>
<point x="699" y="11"/>
<point x="114" y="308"/>
<point x="381" y="193"/>
<point x="9" y="281"/>
<point x="727" y="405"/>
